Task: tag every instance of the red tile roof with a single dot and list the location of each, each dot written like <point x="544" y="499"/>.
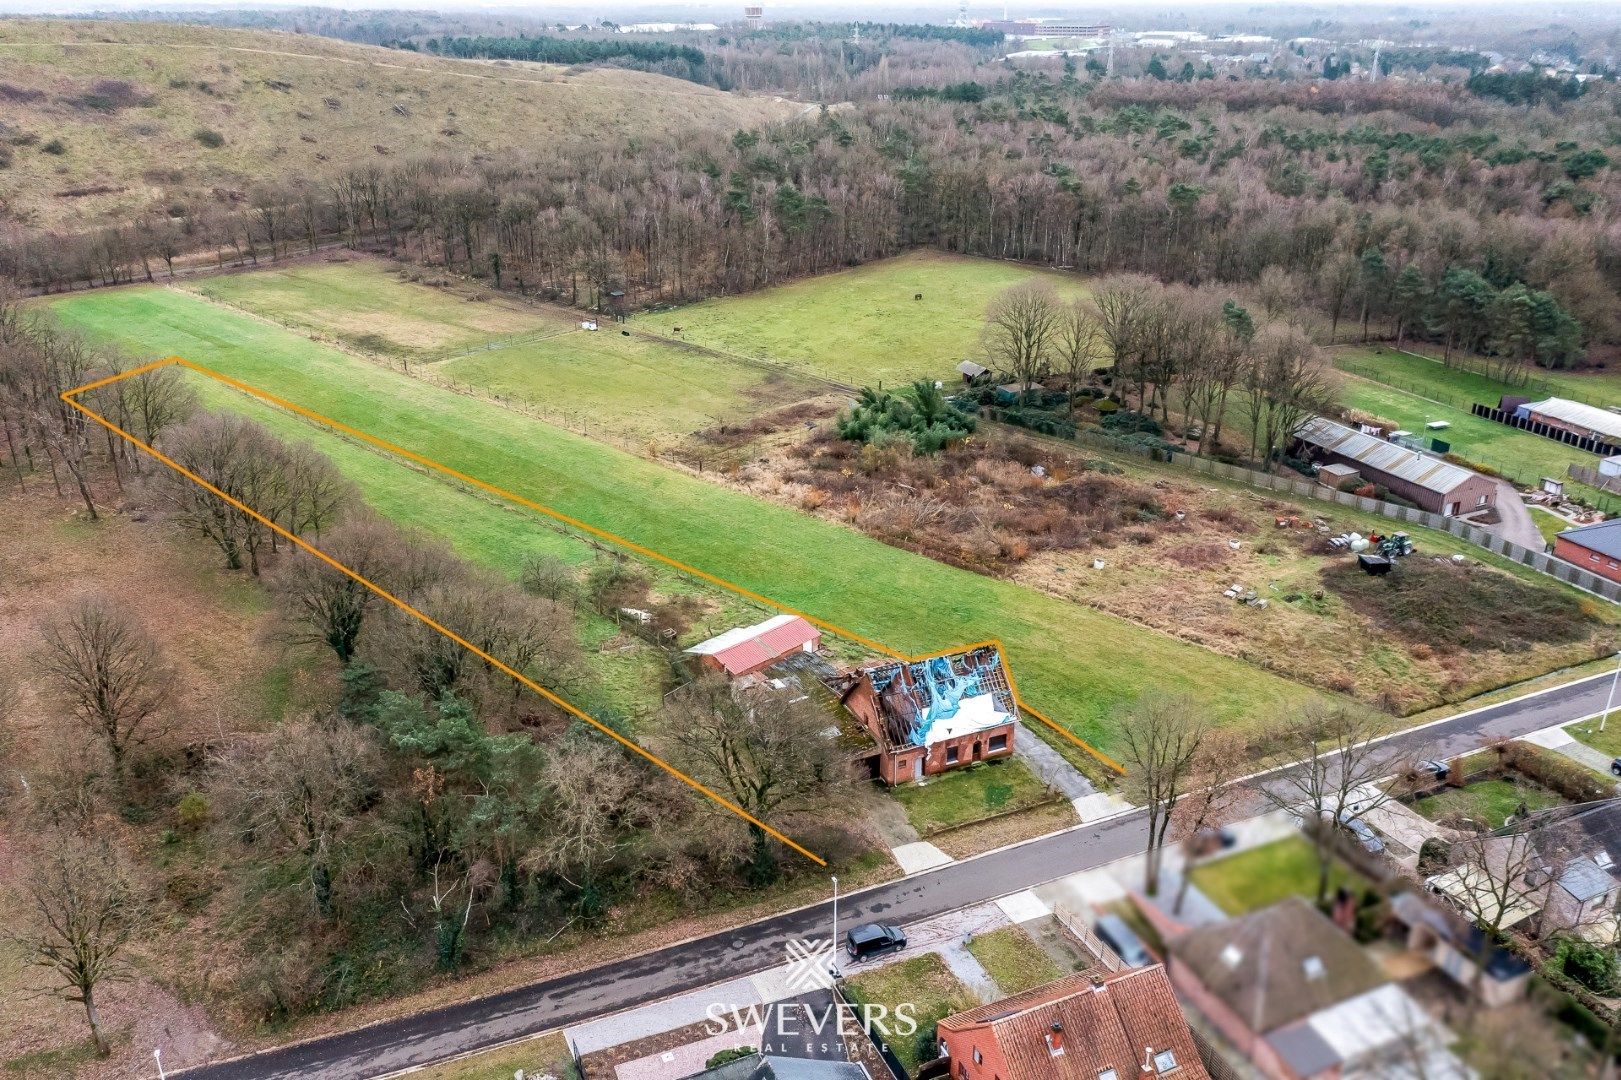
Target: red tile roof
<point x="748" y="647"/>
<point x="1132" y="1016"/>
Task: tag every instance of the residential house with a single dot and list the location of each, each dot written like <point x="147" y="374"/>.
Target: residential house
<point x="1300" y="999"/>
<point x="1426" y="481"/>
<point x="747" y="650"/>
<point x="927" y="716"/>
<point x="1595" y="548"/>
<point x="1123" y="1025"/>
<point x="1455" y="947"/>
<point x="1554" y="871"/>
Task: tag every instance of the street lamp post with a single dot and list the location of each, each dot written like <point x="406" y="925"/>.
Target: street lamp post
<point x="1610" y="703"/>
<point x="157" y="1055"/>
<point x="834" y="968"/>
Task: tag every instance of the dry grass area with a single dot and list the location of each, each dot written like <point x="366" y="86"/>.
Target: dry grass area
<point x="231" y="676"/>
<point x="127" y="101"/>
<point x="1170" y="547"/>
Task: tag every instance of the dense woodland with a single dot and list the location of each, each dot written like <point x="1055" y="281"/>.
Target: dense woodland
<point x="1415" y="209"/>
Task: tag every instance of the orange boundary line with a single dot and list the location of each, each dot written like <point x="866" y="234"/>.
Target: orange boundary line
<point x="612" y="538"/>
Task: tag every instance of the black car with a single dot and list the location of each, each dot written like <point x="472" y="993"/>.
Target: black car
<point x="1615" y="767"/>
<point x="873" y="939"/>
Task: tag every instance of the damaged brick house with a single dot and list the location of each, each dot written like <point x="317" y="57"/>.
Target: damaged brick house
<point x="928" y="716"/>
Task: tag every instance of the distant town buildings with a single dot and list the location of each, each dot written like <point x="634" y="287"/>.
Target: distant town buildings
<point x="754" y="16"/>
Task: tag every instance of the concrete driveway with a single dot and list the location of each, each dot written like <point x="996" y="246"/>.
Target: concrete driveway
<point x="1515" y="523"/>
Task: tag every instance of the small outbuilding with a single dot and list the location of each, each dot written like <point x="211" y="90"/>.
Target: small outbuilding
<point x="972" y="373"/>
<point x="745" y="650"/>
<point x="1339" y="477"/>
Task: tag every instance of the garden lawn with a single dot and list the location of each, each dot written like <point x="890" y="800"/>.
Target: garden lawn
<point x="923" y="981"/>
<point x="366" y="304"/>
<point x="1079" y="666"/>
<point x="862" y="326"/>
<point x="1013" y="960"/>
<point x="1264" y="875"/>
<point x="1520" y="455"/>
<point x="1549" y="525"/>
<point x="1488" y="802"/>
<point x="1607" y="741"/>
<point x="967" y="795"/>
<point x="639" y="386"/>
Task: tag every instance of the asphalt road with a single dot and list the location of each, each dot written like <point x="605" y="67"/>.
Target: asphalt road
<point x="570" y="999"/>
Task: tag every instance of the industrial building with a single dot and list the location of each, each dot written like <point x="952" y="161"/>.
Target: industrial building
<point x="1428" y="482"/>
<point x="1588" y="421"/>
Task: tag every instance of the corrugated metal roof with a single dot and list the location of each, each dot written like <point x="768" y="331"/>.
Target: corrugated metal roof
<point x="1589" y="417"/>
<point x="1430" y="473"/>
<point x="747" y="647"/>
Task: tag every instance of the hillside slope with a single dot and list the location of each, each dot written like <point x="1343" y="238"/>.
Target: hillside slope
<point x="105" y="121"/>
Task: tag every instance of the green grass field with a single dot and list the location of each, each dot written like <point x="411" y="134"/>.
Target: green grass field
<point x="1078" y="665"/>
<point x="863" y="326"/>
<point x="638" y="386"/>
<point x="972" y="794"/>
<point x="1013" y="959"/>
<point x="365" y="305"/>
<point x="1429" y="376"/>
<point x="1421" y="390"/>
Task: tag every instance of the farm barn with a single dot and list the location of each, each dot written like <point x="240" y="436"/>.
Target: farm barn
<point x="747" y="650"/>
<point x="929" y="716"/>
<point x="1578" y="418"/>
<point x="1428" y="482"/>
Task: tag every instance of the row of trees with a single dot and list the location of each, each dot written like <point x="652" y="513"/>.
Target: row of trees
<point x="1194" y="350"/>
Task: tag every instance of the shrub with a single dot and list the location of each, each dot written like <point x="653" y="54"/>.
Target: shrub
<point x="1556" y="772"/>
<point x="192" y="811"/>
<point x="1105" y="406"/>
<point x="209" y="138"/>
<point x="548" y="576"/>
<point x="1129" y="421"/>
<point x="1588" y="964"/>
<point x="725" y="1056"/>
<point x="920" y="414"/>
<point x="56" y="148"/>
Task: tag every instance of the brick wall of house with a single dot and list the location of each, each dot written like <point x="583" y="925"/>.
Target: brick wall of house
<point x="1229" y="1023"/>
<point x="1588" y="560"/>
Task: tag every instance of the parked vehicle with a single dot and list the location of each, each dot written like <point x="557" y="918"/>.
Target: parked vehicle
<point x="1123" y="940"/>
<point x="1363" y="832"/>
<point x="1615" y="767"/>
<point x="871" y="940"/>
<point x="1439" y="769"/>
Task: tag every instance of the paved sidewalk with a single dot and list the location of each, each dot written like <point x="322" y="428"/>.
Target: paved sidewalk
<point x="1049" y="764"/>
<point x="1561" y="741"/>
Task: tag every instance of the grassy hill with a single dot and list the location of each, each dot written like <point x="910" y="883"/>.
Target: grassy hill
<point x="106" y="121"/>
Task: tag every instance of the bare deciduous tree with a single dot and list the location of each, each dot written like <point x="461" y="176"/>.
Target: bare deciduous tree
<point x="299" y="792"/>
<point x="111" y="673"/>
<point x="764" y="750"/>
<point x="1215" y="797"/>
<point x="1335" y="757"/>
<point x="1162" y="737"/>
<point x="1021" y="326"/>
<point x="86" y="910"/>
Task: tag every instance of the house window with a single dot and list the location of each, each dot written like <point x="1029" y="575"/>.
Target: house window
<point x="979" y="1058"/>
<point x="1593" y="557"/>
<point x="1164" y="1061"/>
<point x="998" y="742"/>
<point x="951" y="755"/>
<point x="1481" y="501"/>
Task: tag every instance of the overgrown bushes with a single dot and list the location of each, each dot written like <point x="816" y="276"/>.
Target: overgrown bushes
<point x="1556" y="772"/>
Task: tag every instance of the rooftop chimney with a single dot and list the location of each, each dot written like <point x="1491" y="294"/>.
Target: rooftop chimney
<point x="1055" y="1039"/>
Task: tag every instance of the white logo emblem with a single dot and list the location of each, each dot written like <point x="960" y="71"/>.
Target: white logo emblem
<point x="810" y="965"/>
